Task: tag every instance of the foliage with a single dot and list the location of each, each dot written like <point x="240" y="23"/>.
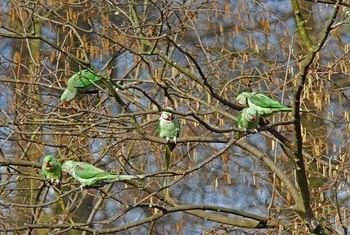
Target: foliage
<point x="195" y="56"/>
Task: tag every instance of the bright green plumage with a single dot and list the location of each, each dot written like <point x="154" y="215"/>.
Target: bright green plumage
<point x="168" y="127"/>
<point x="77" y="83"/>
<point x="248" y="118"/>
<point x="51" y="169"/>
<point x="264" y="104"/>
<point x="90" y="176"/>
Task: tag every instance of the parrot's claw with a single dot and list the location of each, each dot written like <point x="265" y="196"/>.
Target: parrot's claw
<point x="54" y="181"/>
<point x="140" y="176"/>
<point x="174" y="138"/>
<point x="167" y="139"/>
<point x="255" y="130"/>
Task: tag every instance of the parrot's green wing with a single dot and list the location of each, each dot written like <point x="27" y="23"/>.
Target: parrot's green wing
<point x="87" y="171"/>
<point x="264" y="101"/>
<point x="159" y="129"/>
<point x="177" y="126"/>
<point x="78" y="82"/>
<point x="83" y="79"/>
<point x="169" y="147"/>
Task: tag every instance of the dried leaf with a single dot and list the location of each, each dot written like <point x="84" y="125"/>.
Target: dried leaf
<point x="227" y="8"/>
<point x="227" y="178"/>
<point x="16" y="58"/>
<point x="179" y="225"/>
<point x="216" y="183"/>
<point x="221" y="28"/>
<point x="225" y="158"/>
<point x="265" y="25"/>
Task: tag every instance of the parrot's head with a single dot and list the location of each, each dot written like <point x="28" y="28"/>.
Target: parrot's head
<point x="253" y="114"/>
<point x="167" y="115"/>
<point x="67" y="96"/>
<point x="242" y="99"/>
<point x="67" y="167"/>
<point x="50" y="161"/>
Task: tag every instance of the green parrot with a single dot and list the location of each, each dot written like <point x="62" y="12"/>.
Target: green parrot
<point x="168" y="127"/>
<point x="264" y="104"/>
<point x="90" y="176"/>
<point x="248" y="118"/>
<point x="78" y="83"/>
<point x="51" y="169"/>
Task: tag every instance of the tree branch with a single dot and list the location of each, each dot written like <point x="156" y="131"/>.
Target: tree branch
<point x="303" y="204"/>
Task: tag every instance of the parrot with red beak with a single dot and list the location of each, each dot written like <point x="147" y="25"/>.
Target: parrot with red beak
<point x="265" y="105"/>
<point x="168" y="127"/>
<point x="79" y="82"/>
<point x="248" y="118"/>
<point x="51" y="169"/>
<point x="89" y="175"/>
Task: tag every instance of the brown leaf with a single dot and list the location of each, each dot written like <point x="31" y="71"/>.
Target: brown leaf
<point x="265" y="25"/>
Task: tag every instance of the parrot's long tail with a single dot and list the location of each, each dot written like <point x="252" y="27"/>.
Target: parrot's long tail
<point x="166" y="181"/>
<point x="285" y="109"/>
<point x="115" y="177"/>
<point x="168" y="150"/>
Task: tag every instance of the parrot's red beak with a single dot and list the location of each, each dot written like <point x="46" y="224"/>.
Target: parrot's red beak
<point x="238" y="104"/>
<point x="64" y="103"/>
<point x="47" y="164"/>
<point x="255" y="117"/>
<point x="170" y="117"/>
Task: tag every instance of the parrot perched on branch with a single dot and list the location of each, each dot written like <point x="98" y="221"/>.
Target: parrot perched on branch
<point x="90" y="176"/>
<point x="264" y="104"/>
<point x="84" y="81"/>
<point x="248" y="118"/>
<point x="51" y="169"/>
<point x="79" y="82"/>
<point x="168" y="127"/>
